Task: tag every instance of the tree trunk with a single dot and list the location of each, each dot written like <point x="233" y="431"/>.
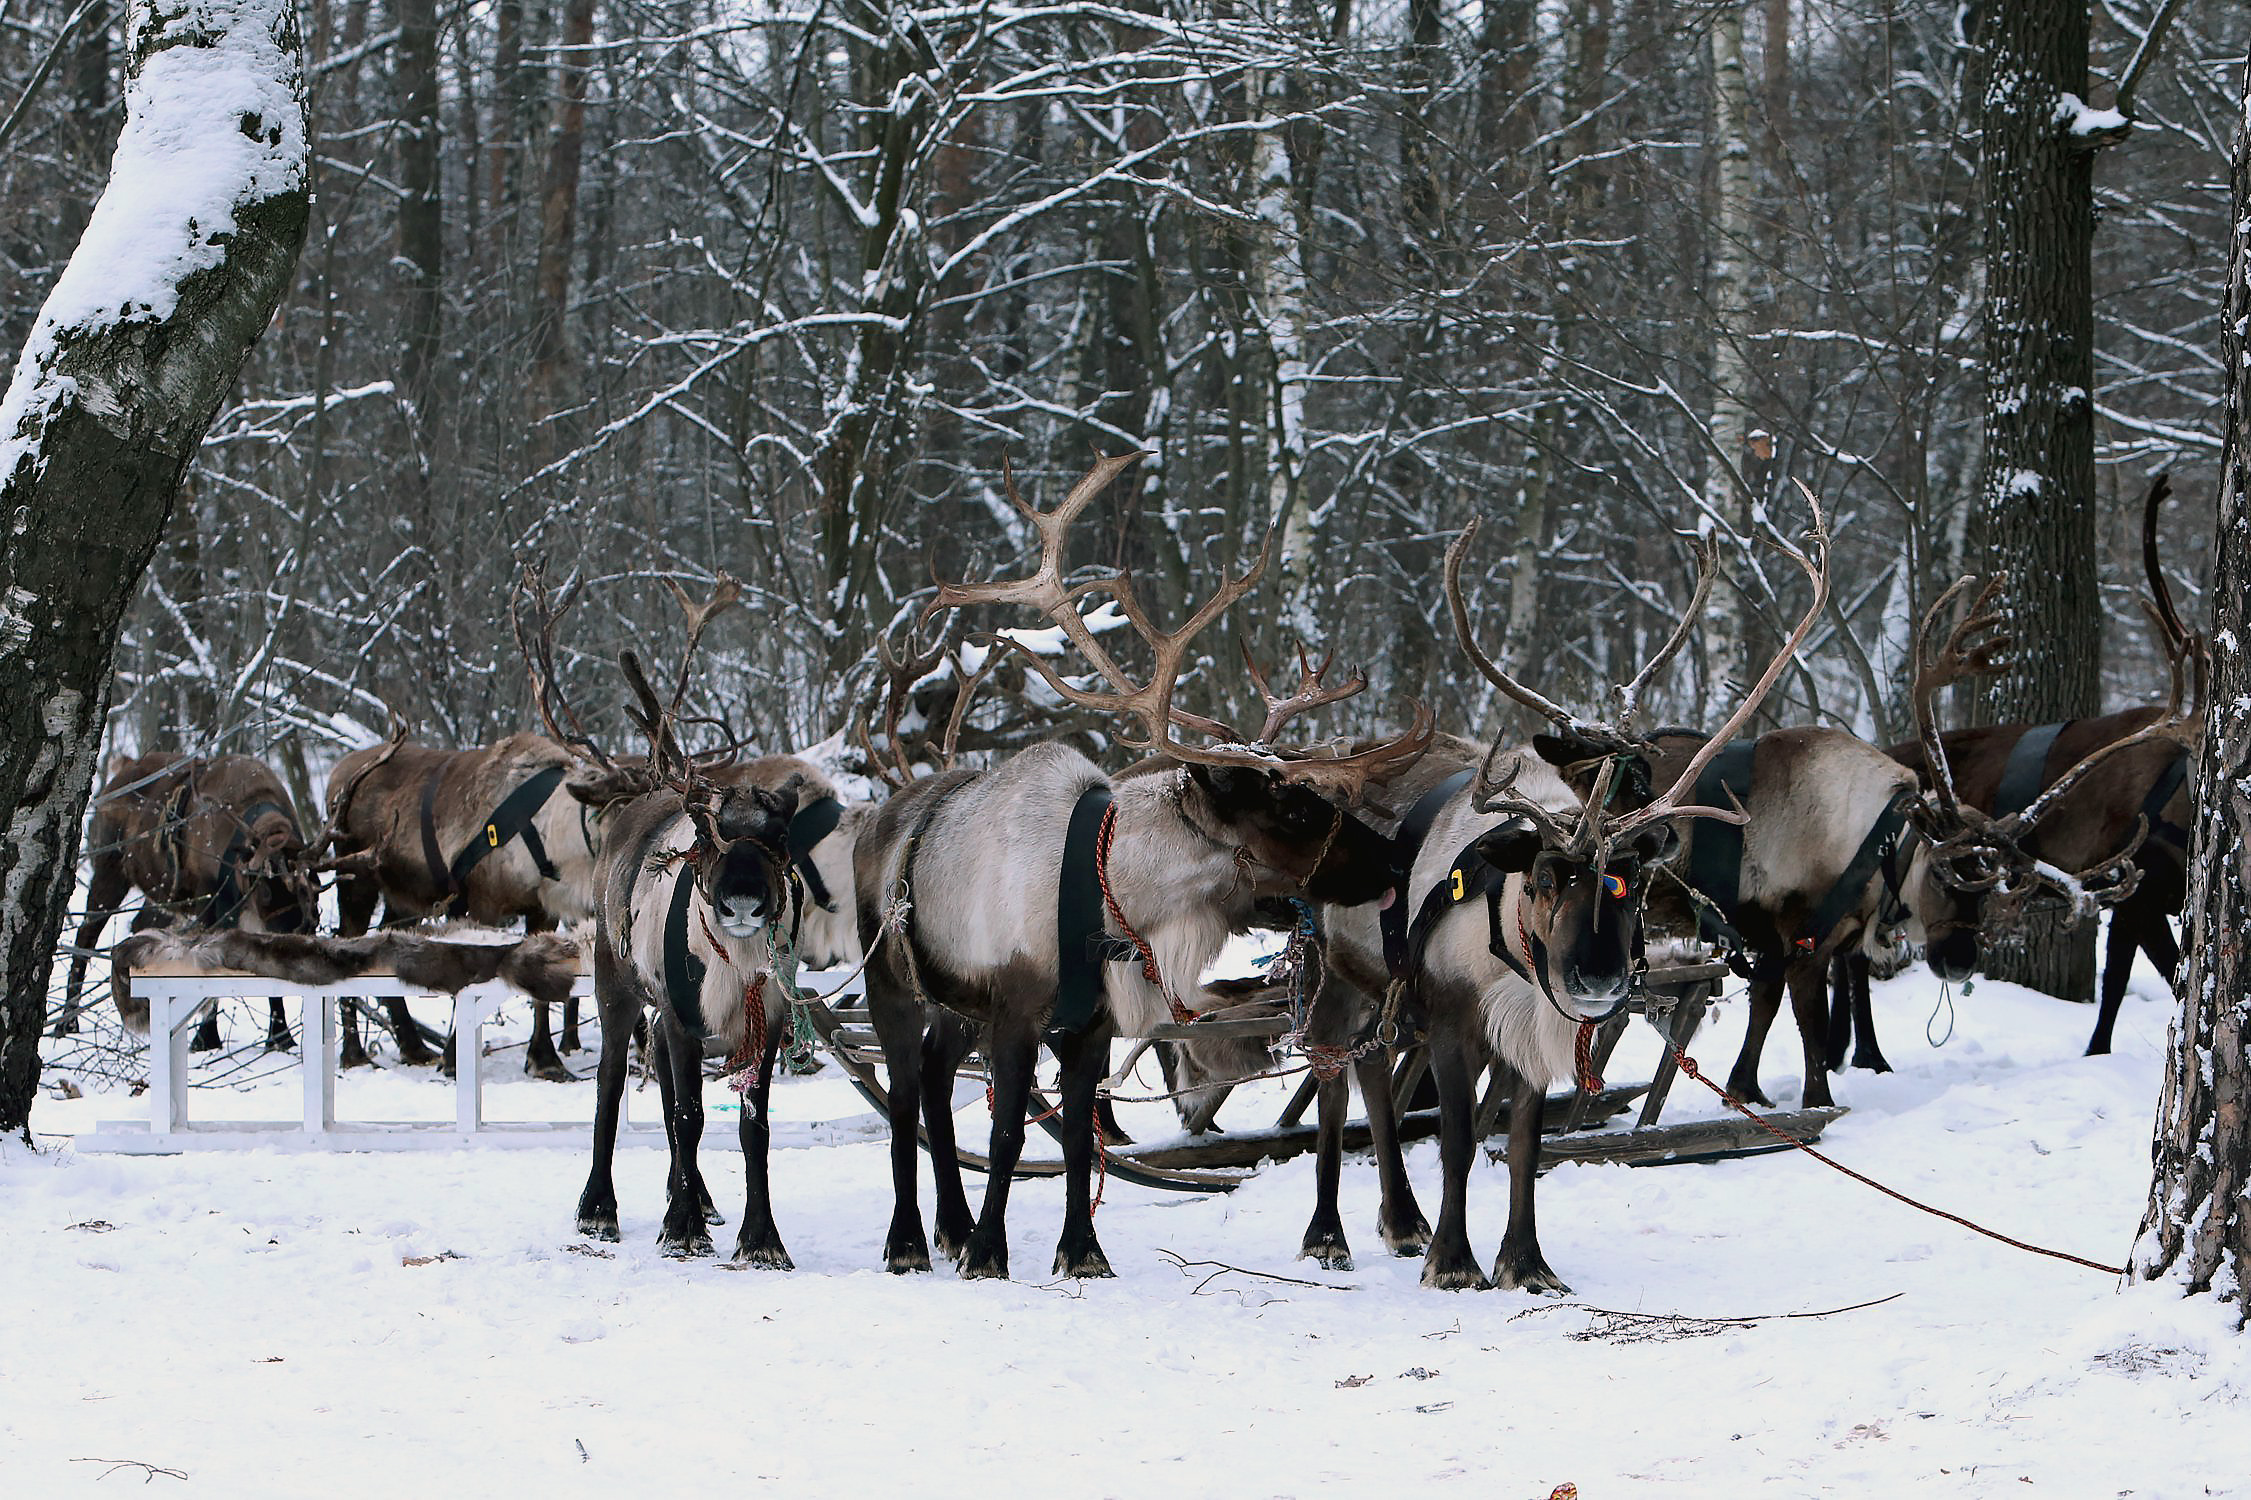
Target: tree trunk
<point x="2197" y="1228"/>
<point x="2036" y="501"/>
<point x="1728" y="647"/>
<point x="103" y="416"/>
<point x="558" y="215"/>
<point x="421" y="199"/>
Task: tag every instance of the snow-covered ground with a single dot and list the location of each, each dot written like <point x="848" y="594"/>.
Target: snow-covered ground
<point x="280" y="1324"/>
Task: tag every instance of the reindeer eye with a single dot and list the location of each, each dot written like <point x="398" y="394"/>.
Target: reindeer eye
<point x="1546" y="879"/>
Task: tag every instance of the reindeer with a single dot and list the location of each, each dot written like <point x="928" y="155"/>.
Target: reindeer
<point x="208" y="840"/>
<point x="694" y="879"/>
<point x="475" y="833"/>
<point x="2120" y="805"/>
<point x="1526" y="894"/>
<point x="1147" y="876"/>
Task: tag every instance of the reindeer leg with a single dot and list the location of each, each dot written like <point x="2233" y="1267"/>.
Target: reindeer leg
<point x="597" y="1204"/>
<point x="945" y="1043"/>
<point x="1766" y="1004"/>
<point x="1324" y="1240"/>
<point x="355" y="909"/>
<point x="278" y="1038"/>
<point x="759" y="1243"/>
<point x="685" y="1233"/>
<point x="104" y="894"/>
<point x="1014" y="1051"/>
<point x="540" y="1060"/>
<point x="1865" y="1053"/>
<point x="1520" y="1266"/>
<point x="571" y="1042"/>
<point x="898" y="1026"/>
<point x="1085" y="1059"/>
<point x="1840" y="1007"/>
<point x="1449" y="1264"/>
<point x="1405" y="1231"/>
<point x="206" y="1038"/>
<point x="1809" y="1003"/>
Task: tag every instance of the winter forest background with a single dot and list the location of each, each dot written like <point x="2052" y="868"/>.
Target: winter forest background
<point x="651" y="289"/>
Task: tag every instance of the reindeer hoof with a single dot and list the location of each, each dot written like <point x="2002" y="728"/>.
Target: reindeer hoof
<point x="953" y="1239"/>
<point x="1327" y="1249"/>
<point x="905" y="1252"/>
<point x="1750" y="1092"/>
<point x="766" y="1256"/>
<point x="1086" y="1261"/>
<point x="281" y="1042"/>
<point x="1535" y="1278"/>
<point x="550" y="1072"/>
<point x="1872" y="1062"/>
<point x="1455" y="1279"/>
<point x="354" y="1057"/>
<point x="1413" y="1239"/>
<point x="689" y="1245"/>
<point x="599" y="1227"/>
<point x="985" y="1260"/>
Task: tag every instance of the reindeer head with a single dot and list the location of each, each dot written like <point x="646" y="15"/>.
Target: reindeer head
<point x="1991" y="878"/>
<point x="1586" y="854"/>
<point x="740" y="849"/>
<point x="277" y="873"/>
<point x="1285" y="808"/>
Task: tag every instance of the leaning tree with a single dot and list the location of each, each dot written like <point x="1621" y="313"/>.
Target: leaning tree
<point x="2197" y="1228"/>
<point x="182" y="264"/>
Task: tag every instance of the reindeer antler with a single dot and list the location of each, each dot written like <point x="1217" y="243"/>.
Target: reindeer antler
<point x="334" y="825"/>
<point x="538" y="650"/>
<point x="1974" y="648"/>
<point x="1595" y="829"/>
<point x="1150" y="702"/>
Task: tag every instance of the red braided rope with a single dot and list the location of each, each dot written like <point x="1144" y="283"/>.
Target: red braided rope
<point x="745" y="1061"/>
<point x="1688" y="1065"/>
<point x="1181" y="1014"/>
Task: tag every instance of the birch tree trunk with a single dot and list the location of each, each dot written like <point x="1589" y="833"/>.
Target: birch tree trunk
<point x="2036" y="498"/>
<point x="1727" y="649"/>
<point x="1279" y="289"/>
<point x="182" y="264"/>
<point x="2196" y="1230"/>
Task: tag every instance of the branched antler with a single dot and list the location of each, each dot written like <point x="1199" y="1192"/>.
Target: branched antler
<point x="1149" y="702"/>
<point x="1595" y="830"/>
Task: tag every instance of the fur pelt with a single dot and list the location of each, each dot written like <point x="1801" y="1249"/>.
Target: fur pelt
<point x="543" y="966"/>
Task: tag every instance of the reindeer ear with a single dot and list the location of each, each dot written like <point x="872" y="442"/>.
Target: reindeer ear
<point x="1512" y="847"/>
<point x="1657" y="844"/>
<point x="1232" y="786"/>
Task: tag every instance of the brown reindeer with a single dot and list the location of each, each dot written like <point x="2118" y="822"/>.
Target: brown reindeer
<point x="210" y="841"/>
<point x="2106" y="793"/>
<point x="462" y="833"/>
<point x="1047" y="904"/>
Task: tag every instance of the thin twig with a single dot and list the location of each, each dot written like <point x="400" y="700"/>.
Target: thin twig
<point x="1190" y="1267"/>
<point x="152" y="1470"/>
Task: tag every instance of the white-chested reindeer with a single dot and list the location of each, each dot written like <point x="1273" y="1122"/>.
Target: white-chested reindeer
<point x="1174" y="860"/>
<point x="1526" y="897"/>
<point x="693" y="871"/>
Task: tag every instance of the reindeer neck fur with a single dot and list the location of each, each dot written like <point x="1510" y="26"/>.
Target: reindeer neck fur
<point x="653" y="840"/>
<point x="1520" y="1023"/>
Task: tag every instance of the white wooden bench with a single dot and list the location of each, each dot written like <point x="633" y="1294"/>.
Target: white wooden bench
<point x="178" y="995"/>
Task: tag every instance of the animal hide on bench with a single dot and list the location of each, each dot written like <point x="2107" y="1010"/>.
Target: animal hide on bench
<point x="543" y="966"/>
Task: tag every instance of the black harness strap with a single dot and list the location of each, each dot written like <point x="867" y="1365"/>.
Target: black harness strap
<point x="1873" y="856"/>
<point x="809" y="825"/>
<point x="683" y="971"/>
<point x="1715" y="849"/>
<point x="230" y="895"/>
<point x="2027" y="769"/>
<point x="1406" y="845"/>
<point x="509" y="820"/>
<point x="1082" y="944"/>
<point x="2153" y="806"/>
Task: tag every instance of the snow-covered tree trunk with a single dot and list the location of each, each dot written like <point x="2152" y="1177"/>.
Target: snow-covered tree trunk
<point x="1726" y="646"/>
<point x="2036" y="499"/>
<point x="2197" y="1228"/>
<point x="1278" y="286"/>
<point x="181" y="266"/>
